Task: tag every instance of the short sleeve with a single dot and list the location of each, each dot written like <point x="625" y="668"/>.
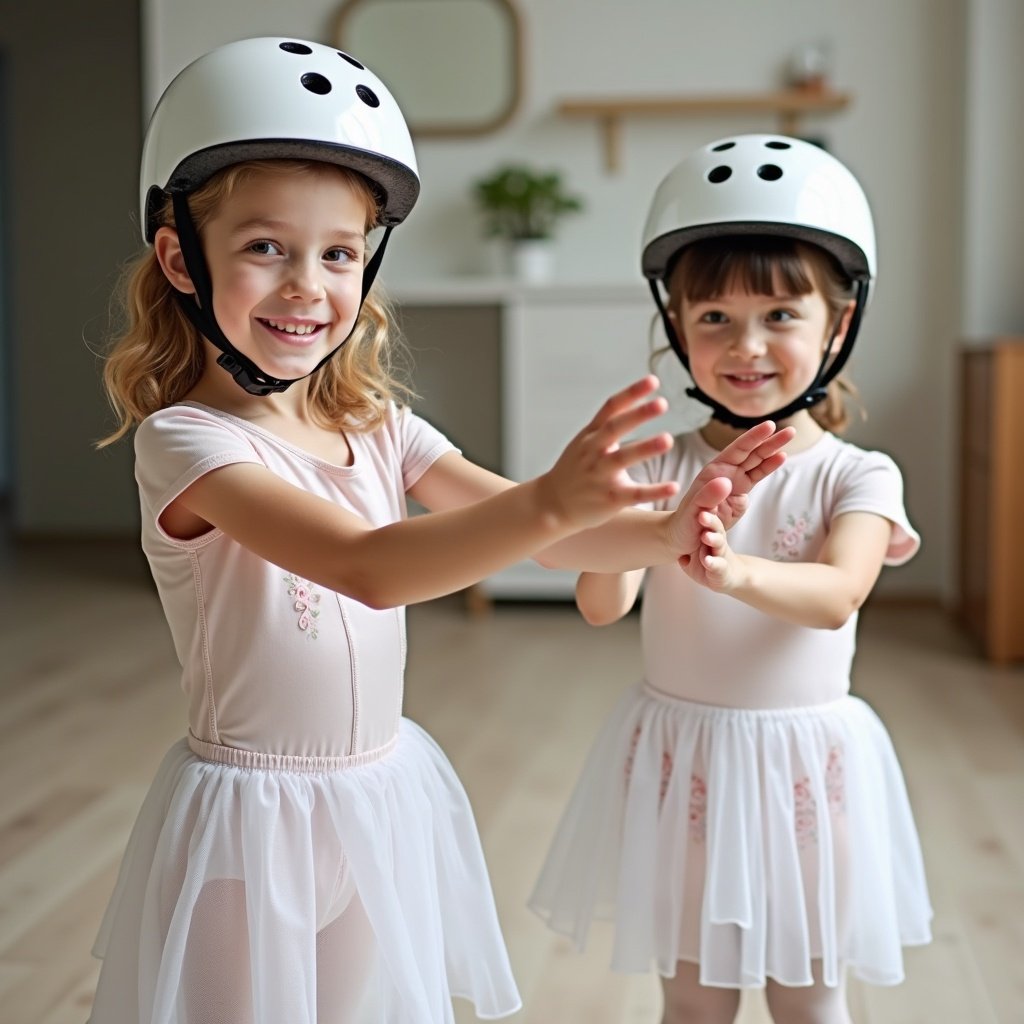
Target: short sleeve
<point x="175" y="447"/>
<point x="873" y="483"/>
<point x="421" y="445"/>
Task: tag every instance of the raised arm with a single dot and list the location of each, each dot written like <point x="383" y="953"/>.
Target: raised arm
<point x="603" y="598"/>
<point x="821" y="594"/>
<point x="634" y="538"/>
<point x="426" y="556"/>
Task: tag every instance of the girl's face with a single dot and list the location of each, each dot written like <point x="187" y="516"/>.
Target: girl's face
<point x="286" y="253"/>
<point x="754" y="353"/>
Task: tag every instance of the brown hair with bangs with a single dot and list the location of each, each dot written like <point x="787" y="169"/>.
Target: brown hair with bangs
<point x="768" y="265"/>
<point x="158" y="356"/>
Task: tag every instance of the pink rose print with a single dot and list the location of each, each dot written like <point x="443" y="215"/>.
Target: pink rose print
<point x="666" y="765"/>
<point x="804" y="806"/>
<point x="306" y="598"/>
<point x="698" y="808"/>
<point x="789" y="539"/>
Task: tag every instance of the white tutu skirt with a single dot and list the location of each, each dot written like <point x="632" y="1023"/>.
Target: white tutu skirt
<point x="225" y="858"/>
<point x="750" y="842"/>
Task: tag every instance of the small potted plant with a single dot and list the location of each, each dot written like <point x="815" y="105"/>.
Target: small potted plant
<point x="522" y="206"/>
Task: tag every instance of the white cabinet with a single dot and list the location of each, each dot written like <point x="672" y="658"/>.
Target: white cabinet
<point x="562" y="350"/>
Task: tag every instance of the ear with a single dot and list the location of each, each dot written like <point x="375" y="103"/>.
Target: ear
<point x="172" y="262"/>
<point x="673" y="316"/>
<point x="844" y="325"/>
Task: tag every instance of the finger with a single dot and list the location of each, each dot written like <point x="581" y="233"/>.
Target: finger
<point x="739" y="503"/>
<point x="743" y="447"/>
<point x="772" y="463"/>
<point x="625" y="455"/>
<point x="713" y="493"/>
<point x="776" y="442"/>
<point x="715" y="528"/>
<point x="618" y="426"/>
<point x="626" y="398"/>
<point x="713" y="540"/>
<point x="716" y="568"/>
<point x="636" y="493"/>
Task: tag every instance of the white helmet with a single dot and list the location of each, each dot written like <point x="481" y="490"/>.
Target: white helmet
<point x="276" y="98"/>
<point x="761" y="185"/>
<point x="265" y="99"/>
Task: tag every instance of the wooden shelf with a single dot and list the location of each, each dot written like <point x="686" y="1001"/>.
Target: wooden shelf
<point x="790" y="105"/>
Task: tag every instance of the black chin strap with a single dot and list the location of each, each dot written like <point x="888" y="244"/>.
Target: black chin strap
<point x="815" y="393"/>
<point x="199" y="308"/>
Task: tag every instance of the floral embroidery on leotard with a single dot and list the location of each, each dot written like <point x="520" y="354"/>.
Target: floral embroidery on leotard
<point x="789" y="538"/>
<point x="306" y="600"/>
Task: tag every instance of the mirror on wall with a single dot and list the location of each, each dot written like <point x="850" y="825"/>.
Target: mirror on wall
<point x="455" y="66"/>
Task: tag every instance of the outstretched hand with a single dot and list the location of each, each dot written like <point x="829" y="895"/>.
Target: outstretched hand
<point x="589" y="483"/>
<point x="730" y="476"/>
<point x="713" y="564"/>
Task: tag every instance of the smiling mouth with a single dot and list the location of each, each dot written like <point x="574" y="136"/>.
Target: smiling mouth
<point x="748" y="378"/>
<point x="292" y="330"/>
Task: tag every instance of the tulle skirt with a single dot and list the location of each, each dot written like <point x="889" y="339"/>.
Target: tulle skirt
<point x="366" y="878"/>
<point x="750" y="842"/>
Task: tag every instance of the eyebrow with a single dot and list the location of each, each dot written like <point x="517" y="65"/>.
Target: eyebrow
<point x="263" y="224"/>
<point x="768" y="298"/>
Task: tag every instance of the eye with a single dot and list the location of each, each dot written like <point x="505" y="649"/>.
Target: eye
<point x="713" y="316"/>
<point x="262" y="247"/>
<point x="339" y="254"/>
<point x="781" y="316"/>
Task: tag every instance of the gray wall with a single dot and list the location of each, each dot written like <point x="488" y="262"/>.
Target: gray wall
<point x="72" y="142"/>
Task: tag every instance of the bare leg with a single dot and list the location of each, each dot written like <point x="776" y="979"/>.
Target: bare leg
<point x="687" y="1001"/>
<point x="216" y="983"/>
<point x="814" y="1004"/>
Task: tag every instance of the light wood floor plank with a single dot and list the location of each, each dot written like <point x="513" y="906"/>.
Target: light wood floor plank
<point x="90" y="701"/>
<point x="39" y="880"/>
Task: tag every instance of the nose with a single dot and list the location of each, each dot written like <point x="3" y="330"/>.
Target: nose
<point x="749" y="341"/>
<point x="304" y="280"/>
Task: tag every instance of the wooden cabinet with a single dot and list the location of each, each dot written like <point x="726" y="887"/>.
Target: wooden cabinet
<point x="542" y="360"/>
<point x="992" y="497"/>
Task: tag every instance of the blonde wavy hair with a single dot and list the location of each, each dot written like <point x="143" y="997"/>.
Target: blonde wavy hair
<point x="760" y="265"/>
<point x="158" y="356"/>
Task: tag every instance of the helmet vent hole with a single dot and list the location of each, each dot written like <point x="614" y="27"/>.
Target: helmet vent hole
<point x="367" y="95"/>
<point x="722" y="146"/>
<point x="719" y="174"/>
<point x="297" y="48"/>
<point x="351" y="60"/>
<point x="769" y="172"/>
<point x="776" y="144"/>
<point x="316" y="83"/>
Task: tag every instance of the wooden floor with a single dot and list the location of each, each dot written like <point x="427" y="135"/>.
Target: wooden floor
<point x="90" y="701"/>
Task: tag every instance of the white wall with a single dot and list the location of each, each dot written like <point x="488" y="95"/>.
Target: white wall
<point x="904" y="64"/>
<point x="993" y="209"/>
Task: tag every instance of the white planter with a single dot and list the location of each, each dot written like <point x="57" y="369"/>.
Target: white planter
<point x="533" y="259"/>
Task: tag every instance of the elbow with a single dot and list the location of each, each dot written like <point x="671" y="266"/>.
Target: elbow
<point x="839" y="615"/>
<point x="378" y="602"/>
<point x="600" y="616"/>
<point x="834" y="621"/>
<point x="374" y="593"/>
